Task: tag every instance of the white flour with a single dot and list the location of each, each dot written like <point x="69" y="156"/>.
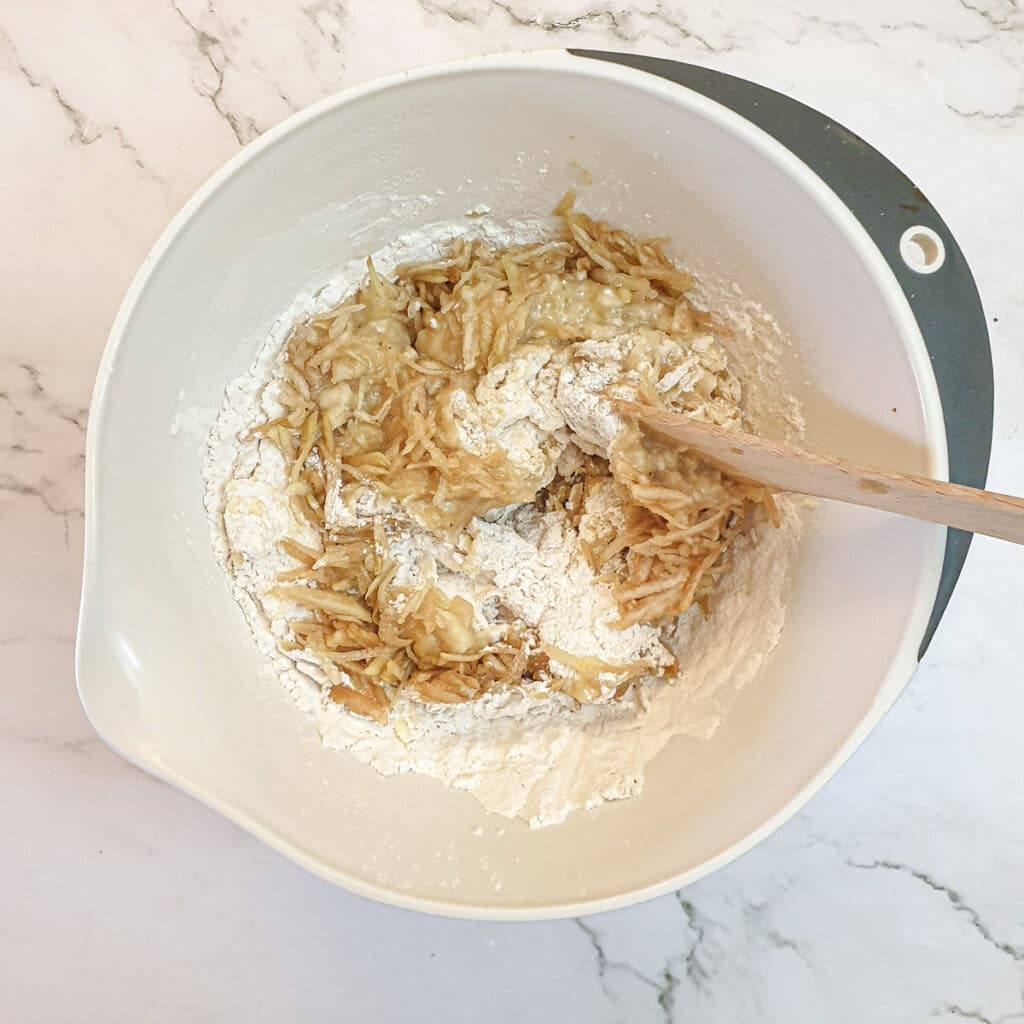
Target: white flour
<point x="535" y="755"/>
<point x="540" y="760"/>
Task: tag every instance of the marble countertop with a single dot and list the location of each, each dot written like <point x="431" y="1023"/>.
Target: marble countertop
<point x="897" y="895"/>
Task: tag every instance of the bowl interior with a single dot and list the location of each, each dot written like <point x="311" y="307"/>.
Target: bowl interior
<point x="167" y="670"/>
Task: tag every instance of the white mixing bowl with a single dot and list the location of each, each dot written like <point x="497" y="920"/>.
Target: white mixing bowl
<point x="167" y="670"/>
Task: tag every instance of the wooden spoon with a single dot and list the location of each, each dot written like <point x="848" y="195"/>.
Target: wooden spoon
<point x="788" y="468"/>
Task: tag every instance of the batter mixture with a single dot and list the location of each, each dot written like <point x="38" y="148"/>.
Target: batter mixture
<point x="455" y="552"/>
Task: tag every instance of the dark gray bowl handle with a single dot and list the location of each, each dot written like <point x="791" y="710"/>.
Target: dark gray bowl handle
<point x="886" y="202"/>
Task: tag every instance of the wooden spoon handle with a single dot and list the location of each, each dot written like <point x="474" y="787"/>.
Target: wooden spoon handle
<point x="787" y="468"/>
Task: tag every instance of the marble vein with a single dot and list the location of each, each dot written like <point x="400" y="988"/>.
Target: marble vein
<point x="954" y="899"/>
<point x="680" y="968"/>
<point x="46" y="460"/>
<point x="617" y="24"/>
<point x="605" y="965"/>
<point x="996" y="116"/>
<point x="1005" y="16"/>
<point x="547" y="23"/>
<point x="757" y="916"/>
<point x="84" y="130"/>
<point x="77" y="417"/>
<point x="695" y="970"/>
<point x="211" y="51"/>
<point x="42" y="491"/>
<point x="878" y="36"/>
<point x="331" y="20"/>
<point x="961" y="1013"/>
<point x="81" y="747"/>
<point x="958" y="1011"/>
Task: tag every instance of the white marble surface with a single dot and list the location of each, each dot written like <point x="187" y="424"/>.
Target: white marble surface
<point x="896" y="896"/>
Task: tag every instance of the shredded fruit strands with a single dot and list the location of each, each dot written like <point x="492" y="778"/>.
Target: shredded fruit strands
<point x="684" y="516"/>
<point x="362" y="388"/>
